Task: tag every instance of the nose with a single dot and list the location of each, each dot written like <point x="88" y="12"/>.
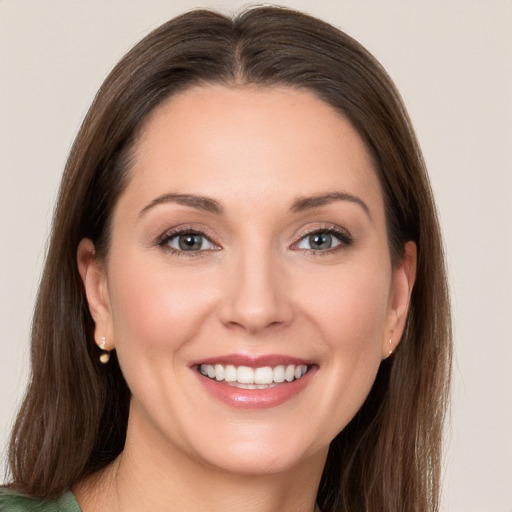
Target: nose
<point x="256" y="294"/>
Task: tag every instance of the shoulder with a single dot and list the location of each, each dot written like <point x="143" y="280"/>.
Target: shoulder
<point x="12" y="501"/>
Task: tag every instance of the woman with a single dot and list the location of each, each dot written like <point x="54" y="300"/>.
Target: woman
<point x="244" y="302"/>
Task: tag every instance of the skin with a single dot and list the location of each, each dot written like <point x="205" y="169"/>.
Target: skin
<point x="256" y="288"/>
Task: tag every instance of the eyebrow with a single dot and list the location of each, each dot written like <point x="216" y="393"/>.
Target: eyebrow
<point x="211" y="205"/>
<point x="306" y="203"/>
<point x="198" y="202"/>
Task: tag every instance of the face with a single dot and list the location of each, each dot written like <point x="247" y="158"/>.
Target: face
<point x="248" y="289"/>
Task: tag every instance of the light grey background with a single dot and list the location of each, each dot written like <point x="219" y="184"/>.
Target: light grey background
<point x="452" y="62"/>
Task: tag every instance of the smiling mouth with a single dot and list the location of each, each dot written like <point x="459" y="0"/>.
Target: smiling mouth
<point x="245" y="377"/>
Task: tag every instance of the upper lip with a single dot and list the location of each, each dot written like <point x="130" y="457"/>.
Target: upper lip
<point x="253" y="361"/>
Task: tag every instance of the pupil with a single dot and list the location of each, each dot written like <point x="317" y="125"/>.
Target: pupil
<point x="190" y="242"/>
<point x="320" y="241"/>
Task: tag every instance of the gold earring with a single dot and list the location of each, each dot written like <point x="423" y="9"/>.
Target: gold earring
<point x="390" y="346"/>
<point x="105" y="354"/>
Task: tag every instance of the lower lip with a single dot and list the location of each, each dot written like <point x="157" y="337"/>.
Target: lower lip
<point x="255" y="398"/>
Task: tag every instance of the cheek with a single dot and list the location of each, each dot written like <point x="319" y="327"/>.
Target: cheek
<point x="154" y="309"/>
<point x="350" y="307"/>
<point x="351" y="318"/>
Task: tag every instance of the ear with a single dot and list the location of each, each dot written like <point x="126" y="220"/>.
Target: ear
<point x="94" y="278"/>
<point x="404" y="276"/>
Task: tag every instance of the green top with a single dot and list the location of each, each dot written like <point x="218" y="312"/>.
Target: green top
<point x="12" y="501"/>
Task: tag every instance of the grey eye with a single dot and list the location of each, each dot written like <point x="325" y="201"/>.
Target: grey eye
<point x="320" y="241"/>
<point x="190" y="242"/>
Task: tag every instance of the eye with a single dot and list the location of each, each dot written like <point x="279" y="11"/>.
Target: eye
<point x="187" y="241"/>
<point x="323" y="240"/>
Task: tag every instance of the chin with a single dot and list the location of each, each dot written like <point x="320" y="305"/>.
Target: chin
<point x="260" y="450"/>
<point x="258" y="460"/>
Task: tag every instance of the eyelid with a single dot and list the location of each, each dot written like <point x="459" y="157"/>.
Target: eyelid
<point x="184" y="229"/>
<point x="343" y="235"/>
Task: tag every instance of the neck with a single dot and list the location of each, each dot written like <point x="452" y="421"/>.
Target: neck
<point x="216" y="492"/>
<point x="148" y="477"/>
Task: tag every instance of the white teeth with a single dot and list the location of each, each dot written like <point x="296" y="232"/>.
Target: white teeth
<point x="230" y="373"/>
<point x="263" y="375"/>
<point x="245" y="375"/>
<point x="219" y="372"/>
<point x="279" y="373"/>
<point x="253" y="378"/>
<point x="289" y="373"/>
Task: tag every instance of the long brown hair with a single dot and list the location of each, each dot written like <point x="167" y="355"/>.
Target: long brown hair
<point x="73" y="419"/>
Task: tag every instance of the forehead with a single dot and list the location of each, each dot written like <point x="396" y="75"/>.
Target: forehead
<point x="270" y="143"/>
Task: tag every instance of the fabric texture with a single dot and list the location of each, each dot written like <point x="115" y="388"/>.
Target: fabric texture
<point x="11" y="501"/>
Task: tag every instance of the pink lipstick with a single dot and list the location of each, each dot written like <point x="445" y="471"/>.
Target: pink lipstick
<point x="254" y="382"/>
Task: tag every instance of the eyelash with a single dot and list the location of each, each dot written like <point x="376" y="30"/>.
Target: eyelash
<point x="184" y="230"/>
<point x="344" y="238"/>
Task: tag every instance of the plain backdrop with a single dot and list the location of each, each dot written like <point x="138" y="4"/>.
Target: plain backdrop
<point x="452" y="61"/>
